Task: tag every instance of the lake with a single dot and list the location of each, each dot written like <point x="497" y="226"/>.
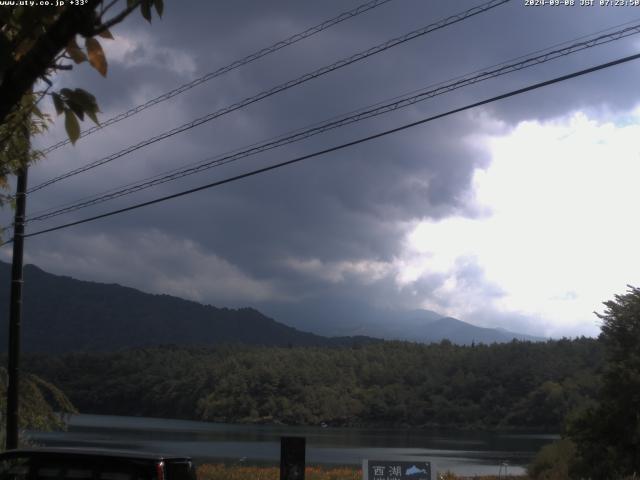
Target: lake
<point x="463" y="452"/>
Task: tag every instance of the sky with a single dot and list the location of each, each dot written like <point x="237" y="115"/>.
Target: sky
<point x="519" y="214"/>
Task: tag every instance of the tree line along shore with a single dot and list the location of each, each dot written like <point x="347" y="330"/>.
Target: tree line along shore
<point x="518" y="385"/>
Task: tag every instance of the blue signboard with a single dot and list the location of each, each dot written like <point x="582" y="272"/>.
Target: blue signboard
<point x="397" y="468"/>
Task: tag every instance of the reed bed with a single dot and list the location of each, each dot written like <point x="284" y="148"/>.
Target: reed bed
<point x="235" y="472"/>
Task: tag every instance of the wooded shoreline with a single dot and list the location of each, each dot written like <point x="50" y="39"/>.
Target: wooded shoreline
<point x="515" y="386"/>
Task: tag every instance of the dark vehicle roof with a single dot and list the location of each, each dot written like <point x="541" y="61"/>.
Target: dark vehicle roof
<point x="95" y="452"/>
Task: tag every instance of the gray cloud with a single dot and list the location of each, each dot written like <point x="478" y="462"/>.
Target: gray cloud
<point x="234" y="245"/>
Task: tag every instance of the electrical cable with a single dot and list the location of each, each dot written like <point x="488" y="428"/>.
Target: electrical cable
<point x="365" y="7"/>
<point x="405" y="95"/>
<point x="331" y="124"/>
<point x="279" y="88"/>
<point x="341" y="146"/>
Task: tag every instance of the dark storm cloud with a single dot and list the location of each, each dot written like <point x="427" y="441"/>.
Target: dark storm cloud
<point x="351" y="206"/>
<point x="335" y="208"/>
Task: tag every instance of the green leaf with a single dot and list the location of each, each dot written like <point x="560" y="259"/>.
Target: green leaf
<point x="58" y="103"/>
<point x="85" y="99"/>
<point x="71" y="125"/>
<point x="130" y="3"/>
<point x="92" y="115"/>
<point x="26" y="101"/>
<point x="159" y="4"/>
<point x="76" y="108"/>
<point x="38" y="113"/>
<point x="145" y="9"/>
<point x="96" y="56"/>
<point x="87" y="102"/>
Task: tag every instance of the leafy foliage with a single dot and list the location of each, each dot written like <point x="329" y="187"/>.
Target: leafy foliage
<point x="42" y="404"/>
<point x="553" y="461"/>
<point x="607" y="435"/>
<point x="36" y="43"/>
<point x="75" y="104"/>
<point x="20" y="125"/>
<point x="386" y="384"/>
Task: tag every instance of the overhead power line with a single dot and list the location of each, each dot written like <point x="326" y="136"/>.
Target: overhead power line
<point x="340" y="147"/>
<point x="584" y="40"/>
<point x="365" y="7"/>
<point x="279" y="88"/>
<point x="347" y="119"/>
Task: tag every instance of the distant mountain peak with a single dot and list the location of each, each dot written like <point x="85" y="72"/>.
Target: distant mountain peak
<point x="417" y="325"/>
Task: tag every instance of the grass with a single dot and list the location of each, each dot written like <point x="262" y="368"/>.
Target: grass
<point x="228" y="472"/>
<point x="225" y="472"/>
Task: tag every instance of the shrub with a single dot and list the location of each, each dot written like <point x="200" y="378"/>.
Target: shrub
<point x="553" y="461"/>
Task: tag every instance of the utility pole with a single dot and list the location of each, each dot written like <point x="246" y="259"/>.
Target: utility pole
<point x="15" y="309"/>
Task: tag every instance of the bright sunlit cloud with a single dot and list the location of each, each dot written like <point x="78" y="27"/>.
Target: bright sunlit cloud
<point x="562" y="235"/>
<point x="140" y="50"/>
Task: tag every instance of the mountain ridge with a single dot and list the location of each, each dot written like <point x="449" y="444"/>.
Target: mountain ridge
<point x="101" y="318"/>
<point x="423" y="326"/>
<point x="109" y="317"/>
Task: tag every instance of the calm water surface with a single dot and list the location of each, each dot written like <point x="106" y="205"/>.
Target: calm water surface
<point x="465" y="453"/>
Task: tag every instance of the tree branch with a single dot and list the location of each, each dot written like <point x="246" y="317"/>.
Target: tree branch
<point x="105" y="9"/>
<point x="115" y="20"/>
<point x="21" y="76"/>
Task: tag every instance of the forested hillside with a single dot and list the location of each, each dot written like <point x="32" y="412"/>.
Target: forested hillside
<point x="513" y="385"/>
<point x="62" y="314"/>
